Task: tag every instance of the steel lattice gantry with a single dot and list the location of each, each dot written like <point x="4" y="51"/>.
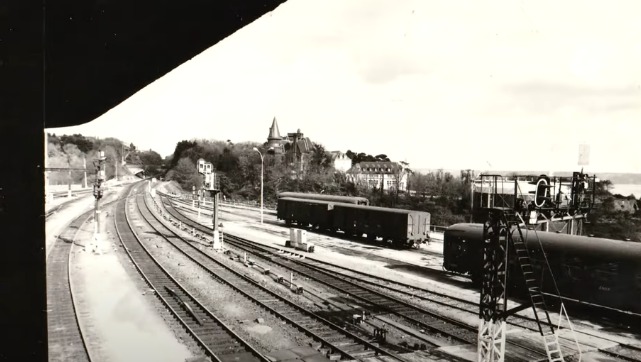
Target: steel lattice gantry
<point x="503" y="218"/>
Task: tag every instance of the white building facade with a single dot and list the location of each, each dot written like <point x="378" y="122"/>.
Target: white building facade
<point x="340" y="161"/>
<point x="389" y="176"/>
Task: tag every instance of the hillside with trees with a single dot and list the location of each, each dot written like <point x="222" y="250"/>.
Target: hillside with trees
<point x="72" y="150"/>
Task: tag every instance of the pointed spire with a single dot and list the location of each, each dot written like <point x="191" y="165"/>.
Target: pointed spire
<point x="274" y="134"/>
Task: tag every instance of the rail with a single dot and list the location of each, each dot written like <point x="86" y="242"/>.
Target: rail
<point x="458" y="332"/>
<point x="274" y="302"/>
<point x="125" y="231"/>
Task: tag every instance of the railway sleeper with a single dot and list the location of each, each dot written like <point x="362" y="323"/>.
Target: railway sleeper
<point x="208" y="329"/>
<point x="335" y="338"/>
<point x="330" y="353"/>
<point x="223" y="344"/>
<point x="233" y="350"/>
<point x="364" y="354"/>
<point x="352" y="347"/>
<point x="305" y="322"/>
<point x="324" y="332"/>
<point x="290" y="314"/>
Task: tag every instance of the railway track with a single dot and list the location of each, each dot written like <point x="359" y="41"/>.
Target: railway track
<point x="66" y="341"/>
<point x="335" y="341"/>
<point x="53" y="211"/>
<point x="65" y="338"/>
<point x="218" y="341"/>
<point x="369" y="281"/>
<point x="405" y="290"/>
<point x="623" y="351"/>
<point x="449" y="329"/>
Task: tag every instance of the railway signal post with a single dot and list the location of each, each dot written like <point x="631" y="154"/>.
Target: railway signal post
<point x="97" y="193"/>
<point x="211" y="185"/>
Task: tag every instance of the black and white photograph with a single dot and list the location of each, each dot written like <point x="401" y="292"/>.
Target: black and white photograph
<point x="338" y="180"/>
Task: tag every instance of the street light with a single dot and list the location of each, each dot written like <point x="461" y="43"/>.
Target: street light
<point x="261" y="181"/>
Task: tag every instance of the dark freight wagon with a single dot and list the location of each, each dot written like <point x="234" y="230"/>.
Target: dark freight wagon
<point x="403" y="228"/>
<point x="305" y="213"/>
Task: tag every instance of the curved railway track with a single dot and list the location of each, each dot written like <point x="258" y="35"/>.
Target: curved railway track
<point x="379" y="302"/>
<point x="217" y="340"/>
<point x="623" y="351"/>
<point x="65" y="338"/>
<point x="338" y="342"/>
<point x="408" y="291"/>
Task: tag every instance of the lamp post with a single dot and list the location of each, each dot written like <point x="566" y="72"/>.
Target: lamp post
<point x="261" y="180"/>
<point x="261" y="184"/>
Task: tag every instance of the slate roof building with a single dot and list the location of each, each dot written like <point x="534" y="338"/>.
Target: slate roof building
<point x="388" y="176"/>
<point x="295" y="148"/>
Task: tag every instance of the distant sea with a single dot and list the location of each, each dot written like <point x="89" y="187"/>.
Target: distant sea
<point x="627" y="189"/>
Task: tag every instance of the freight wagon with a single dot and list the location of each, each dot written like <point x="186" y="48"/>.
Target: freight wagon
<point x="334" y="198"/>
<point x="401" y="228"/>
<point x="305" y="212"/>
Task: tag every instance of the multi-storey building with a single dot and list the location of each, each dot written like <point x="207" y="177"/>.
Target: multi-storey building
<point x="388" y="176"/>
<point x="295" y="148"/>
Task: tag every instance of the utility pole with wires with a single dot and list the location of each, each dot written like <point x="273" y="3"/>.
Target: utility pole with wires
<point x="97" y="193"/>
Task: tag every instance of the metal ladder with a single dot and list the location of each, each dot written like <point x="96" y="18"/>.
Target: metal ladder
<point x="550" y="336"/>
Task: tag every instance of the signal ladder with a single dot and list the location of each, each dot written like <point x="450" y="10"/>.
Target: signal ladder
<point x="539" y="307"/>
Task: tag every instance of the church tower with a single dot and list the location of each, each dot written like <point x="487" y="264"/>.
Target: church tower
<point x="274" y="139"/>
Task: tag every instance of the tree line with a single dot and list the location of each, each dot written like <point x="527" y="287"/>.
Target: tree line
<point x="445" y="195"/>
<point x="72" y="151"/>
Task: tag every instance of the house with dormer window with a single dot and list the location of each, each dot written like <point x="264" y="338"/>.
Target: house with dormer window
<point x="388" y="176"/>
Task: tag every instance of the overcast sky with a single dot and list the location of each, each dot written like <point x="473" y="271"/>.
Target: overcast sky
<point x="491" y="85"/>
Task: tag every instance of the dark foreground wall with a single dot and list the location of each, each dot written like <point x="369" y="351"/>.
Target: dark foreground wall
<point x="64" y="63"/>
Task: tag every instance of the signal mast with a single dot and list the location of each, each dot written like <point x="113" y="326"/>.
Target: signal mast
<point x="211" y="186"/>
<point x="506" y="205"/>
<point x="97" y="193"/>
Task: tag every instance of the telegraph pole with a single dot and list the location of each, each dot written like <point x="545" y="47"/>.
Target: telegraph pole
<point x="97" y="193"/>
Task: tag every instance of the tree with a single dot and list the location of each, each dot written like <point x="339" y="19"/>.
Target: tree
<point x="84" y="145"/>
<point x="320" y="158"/>
<point x="152" y="162"/>
<point x="181" y="147"/>
<point x="382" y="158"/>
<point x="185" y="174"/>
